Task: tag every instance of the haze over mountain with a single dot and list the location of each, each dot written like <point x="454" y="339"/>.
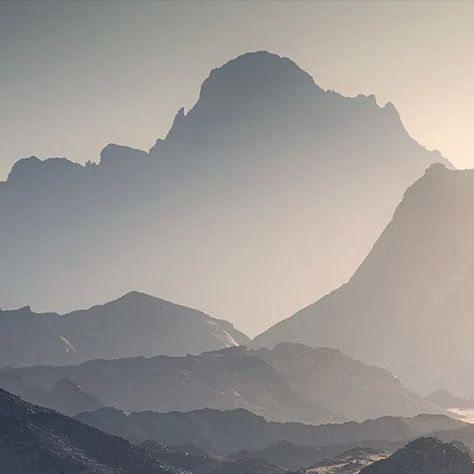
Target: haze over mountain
<point x="409" y="306"/>
<point x="266" y="194"/>
<point x="292" y="382"/>
<point x="132" y="325"/>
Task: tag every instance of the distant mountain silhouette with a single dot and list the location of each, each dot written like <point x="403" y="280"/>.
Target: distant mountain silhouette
<point x="292" y="382"/>
<point x="35" y="440"/>
<point x="135" y="324"/>
<point x="239" y="431"/>
<point x="408" y="307"/>
<point x="424" y="456"/>
<point x="267" y="193"/>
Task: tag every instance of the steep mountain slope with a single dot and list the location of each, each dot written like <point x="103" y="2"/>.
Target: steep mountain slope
<point x="424" y="456"/>
<point x="327" y="385"/>
<point x="408" y="307"/>
<point x="34" y="440"/>
<point x="268" y="187"/>
<point x="135" y="324"/>
<point x="226" y="432"/>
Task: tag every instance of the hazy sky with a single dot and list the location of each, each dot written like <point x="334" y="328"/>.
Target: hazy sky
<point x="76" y="76"/>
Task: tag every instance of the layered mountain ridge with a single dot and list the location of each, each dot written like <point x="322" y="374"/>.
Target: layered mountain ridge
<point x="291" y="382"/>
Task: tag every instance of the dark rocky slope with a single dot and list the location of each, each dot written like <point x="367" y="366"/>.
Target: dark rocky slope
<point x="35" y="440"/>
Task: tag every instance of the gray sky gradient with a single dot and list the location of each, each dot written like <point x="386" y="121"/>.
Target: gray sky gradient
<point x="75" y="76"/>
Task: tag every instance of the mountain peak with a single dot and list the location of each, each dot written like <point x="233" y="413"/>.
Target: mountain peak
<point x="255" y="73"/>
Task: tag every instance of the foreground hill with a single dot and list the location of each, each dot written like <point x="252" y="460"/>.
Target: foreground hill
<point x="349" y="462"/>
<point x="292" y="382"/>
<point x="408" y="307"/>
<point x="269" y="188"/>
<point x="135" y="324"/>
<point x="35" y="440"/>
<point x="228" y="432"/>
<point x="425" y="456"/>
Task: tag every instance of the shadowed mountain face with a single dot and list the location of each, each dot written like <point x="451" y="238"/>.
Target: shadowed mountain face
<point x="409" y="306"/>
<point x="34" y="440"/>
<point x="242" y="432"/>
<point x="269" y="191"/>
<point x="292" y="382"/>
<point x="425" y="456"/>
<point x="133" y="325"/>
